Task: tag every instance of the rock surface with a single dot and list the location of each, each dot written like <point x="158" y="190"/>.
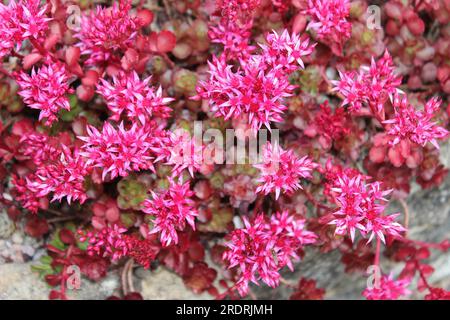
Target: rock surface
<point x="18" y="282"/>
<point x="163" y="284"/>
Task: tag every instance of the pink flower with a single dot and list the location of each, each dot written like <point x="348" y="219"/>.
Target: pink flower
<point x="370" y="86"/>
<point x="257" y="89"/>
<point x="329" y="20"/>
<point x="172" y="208"/>
<point x="38" y="147"/>
<point x="284" y="52"/>
<point x="248" y="91"/>
<point x="134" y="97"/>
<point x="185" y="152"/>
<point x="387" y="289"/>
<point x="63" y="177"/>
<point x="237" y="10"/>
<point x="19" y="21"/>
<point x="119" y="151"/>
<point x="27" y="198"/>
<point x="262" y="248"/>
<point x="415" y="125"/>
<point x="108" y="242"/>
<point x="361" y="206"/>
<point x="234" y="38"/>
<point x="106" y="30"/>
<point x="282" y="170"/>
<point x="45" y="89"/>
<point x="59" y="170"/>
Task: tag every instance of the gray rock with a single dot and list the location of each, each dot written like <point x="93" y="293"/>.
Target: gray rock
<point x="163" y="284"/>
<point x="6" y="226"/>
<point x="18" y="282"/>
<point x="100" y="290"/>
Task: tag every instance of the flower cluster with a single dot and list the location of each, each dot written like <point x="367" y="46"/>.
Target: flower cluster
<point x="185" y="153"/>
<point x="234" y="39"/>
<point x="25" y="19"/>
<point x="63" y="177"/>
<point x="172" y="209"/>
<point x="27" y="198"/>
<point x="386" y="288"/>
<point x="132" y="96"/>
<point x="281" y="170"/>
<point x="108" y="242"/>
<point x="60" y="171"/>
<point x="46" y="90"/>
<point x="329" y="20"/>
<point x="361" y="206"/>
<point x="370" y="86"/>
<point x="101" y="107"/>
<point x="262" y="248"/>
<point x="120" y="151"/>
<point x="114" y="243"/>
<point x="237" y="9"/>
<point x="257" y="89"/>
<point x="105" y="30"/>
<point x="283" y="52"/>
<point x="38" y="147"/>
<point x="233" y="27"/>
<point x="415" y="125"/>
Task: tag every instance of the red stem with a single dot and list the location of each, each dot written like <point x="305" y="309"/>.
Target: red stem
<point x="422" y="276"/>
<point x="377" y="252"/>
<point x="38" y="47"/>
<point x="16" y="54"/>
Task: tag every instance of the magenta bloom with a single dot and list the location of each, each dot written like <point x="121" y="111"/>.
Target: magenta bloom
<point x="38" y="147"/>
<point x="27" y="198"/>
<point x="185" y="153"/>
<point x="105" y="30"/>
<point x="134" y="97"/>
<point x="249" y="91"/>
<point x="263" y="247"/>
<point x="45" y="89"/>
<point x="284" y="52"/>
<point x="370" y="86"/>
<point x="329" y="20"/>
<point x="259" y="87"/>
<point x="60" y="171"/>
<point x="19" y="21"/>
<point x="108" y="242"/>
<point x="415" y="125"/>
<point x="281" y="170"/>
<point x="119" y="151"/>
<point x="387" y="289"/>
<point x="237" y="10"/>
<point x="63" y="178"/>
<point x="172" y="209"/>
<point x="234" y="38"/>
<point x="361" y="207"/>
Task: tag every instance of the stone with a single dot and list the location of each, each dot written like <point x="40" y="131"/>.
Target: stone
<point x="6" y="226"/>
<point x="162" y="284"/>
<point x="18" y="282"/>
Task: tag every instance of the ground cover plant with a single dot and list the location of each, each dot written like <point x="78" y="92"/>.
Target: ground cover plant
<point x="101" y="154"/>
